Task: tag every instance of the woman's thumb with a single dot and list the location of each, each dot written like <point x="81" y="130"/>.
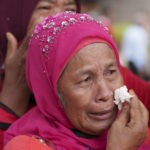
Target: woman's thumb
<point x="12" y="44"/>
<point x="124" y="115"/>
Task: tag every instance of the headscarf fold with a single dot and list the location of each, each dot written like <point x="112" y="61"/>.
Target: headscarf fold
<point x="53" y="44"/>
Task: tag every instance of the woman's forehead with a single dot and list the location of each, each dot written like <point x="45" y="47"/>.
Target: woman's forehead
<point x="64" y="1"/>
<point x="99" y="46"/>
<point x="92" y="53"/>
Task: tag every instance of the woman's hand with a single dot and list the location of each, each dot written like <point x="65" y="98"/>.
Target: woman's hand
<point x="130" y="129"/>
<point x="15" y="92"/>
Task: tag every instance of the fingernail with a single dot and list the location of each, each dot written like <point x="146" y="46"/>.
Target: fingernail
<point x="132" y="92"/>
<point x="7" y="35"/>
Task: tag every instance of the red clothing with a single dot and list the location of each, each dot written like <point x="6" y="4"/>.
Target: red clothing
<point x="6" y="118"/>
<point x="23" y="142"/>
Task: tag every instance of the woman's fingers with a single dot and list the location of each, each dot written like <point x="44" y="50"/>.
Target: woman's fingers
<point x="123" y="118"/>
<point x="138" y="116"/>
<point x="12" y="44"/>
<point x="135" y="112"/>
<point x="138" y="110"/>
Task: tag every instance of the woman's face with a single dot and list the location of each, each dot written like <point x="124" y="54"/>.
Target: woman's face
<point x="86" y="88"/>
<point x="45" y="8"/>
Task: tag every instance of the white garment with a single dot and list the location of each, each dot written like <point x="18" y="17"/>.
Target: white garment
<point x="135" y="46"/>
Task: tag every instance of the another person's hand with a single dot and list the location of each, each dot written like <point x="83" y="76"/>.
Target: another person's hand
<point x="130" y="129"/>
<point x="15" y="92"/>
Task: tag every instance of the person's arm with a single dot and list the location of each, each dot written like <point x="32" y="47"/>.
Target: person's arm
<point x="130" y="129"/>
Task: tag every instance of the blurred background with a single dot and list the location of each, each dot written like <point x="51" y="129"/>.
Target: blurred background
<point x="129" y="23"/>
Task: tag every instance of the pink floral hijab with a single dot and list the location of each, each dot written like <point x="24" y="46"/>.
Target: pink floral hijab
<point x="51" y="47"/>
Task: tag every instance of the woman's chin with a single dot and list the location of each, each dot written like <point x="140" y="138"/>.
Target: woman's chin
<point x="98" y="129"/>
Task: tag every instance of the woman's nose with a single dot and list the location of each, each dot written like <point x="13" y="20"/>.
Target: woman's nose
<point x="104" y="91"/>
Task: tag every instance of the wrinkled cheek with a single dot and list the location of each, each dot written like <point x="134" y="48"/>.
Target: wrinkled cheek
<point x="82" y="99"/>
<point x="118" y="83"/>
<point x="75" y="117"/>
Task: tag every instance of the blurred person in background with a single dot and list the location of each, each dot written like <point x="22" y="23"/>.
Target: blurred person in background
<point x="91" y="7"/>
<point x="135" y="45"/>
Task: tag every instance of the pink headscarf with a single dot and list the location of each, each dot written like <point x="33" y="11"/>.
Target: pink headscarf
<point x="53" y="44"/>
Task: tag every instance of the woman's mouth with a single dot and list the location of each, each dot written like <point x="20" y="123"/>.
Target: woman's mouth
<point x="104" y="115"/>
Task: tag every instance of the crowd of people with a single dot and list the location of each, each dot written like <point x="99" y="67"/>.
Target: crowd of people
<point x="58" y="89"/>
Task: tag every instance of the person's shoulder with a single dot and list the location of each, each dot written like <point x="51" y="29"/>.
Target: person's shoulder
<point x="23" y="142"/>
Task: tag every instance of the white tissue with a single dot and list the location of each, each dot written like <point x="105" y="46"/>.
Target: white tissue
<point x="121" y="95"/>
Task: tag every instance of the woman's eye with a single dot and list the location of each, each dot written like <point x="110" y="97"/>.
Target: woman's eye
<point x="44" y="7"/>
<point x="84" y="81"/>
<point x="112" y="71"/>
<point x="87" y="79"/>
